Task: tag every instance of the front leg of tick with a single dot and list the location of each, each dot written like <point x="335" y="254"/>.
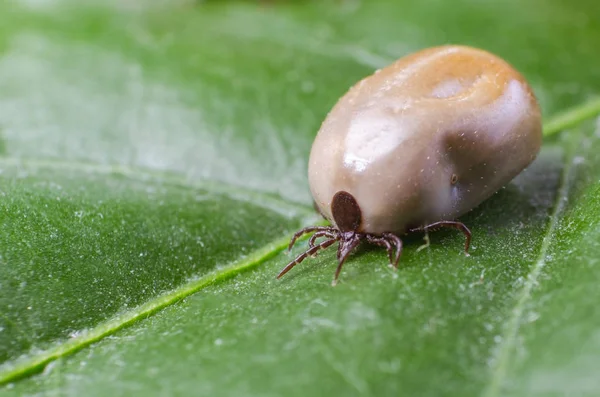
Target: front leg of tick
<point x="320" y="231"/>
<point x="450" y="224"/>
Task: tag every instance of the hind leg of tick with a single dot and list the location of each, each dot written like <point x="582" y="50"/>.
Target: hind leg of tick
<point x="450" y="224"/>
<point x="347" y="242"/>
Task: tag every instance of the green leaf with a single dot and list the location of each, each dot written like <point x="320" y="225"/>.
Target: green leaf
<point x="153" y="165"/>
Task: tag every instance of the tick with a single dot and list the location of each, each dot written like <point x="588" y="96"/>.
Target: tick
<point x="416" y="145"/>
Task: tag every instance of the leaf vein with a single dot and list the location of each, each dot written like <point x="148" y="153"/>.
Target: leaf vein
<point x="508" y="343"/>
<point x="36" y="363"/>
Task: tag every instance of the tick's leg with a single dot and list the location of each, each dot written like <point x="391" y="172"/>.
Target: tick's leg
<point x="382" y="242"/>
<point x="323" y="233"/>
<point x="348" y="246"/>
<point x="303" y="256"/>
<point x="309" y="229"/>
<point x="455" y="225"/>
<point x="398" y="243"/>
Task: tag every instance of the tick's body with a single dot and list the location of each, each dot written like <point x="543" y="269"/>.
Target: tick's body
<point x="423" y="140"/>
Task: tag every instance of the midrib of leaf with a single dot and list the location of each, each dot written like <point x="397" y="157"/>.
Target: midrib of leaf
<point x="35" y="363"/>
<point x="509" y="337"/>
<point x="571" y="117"/>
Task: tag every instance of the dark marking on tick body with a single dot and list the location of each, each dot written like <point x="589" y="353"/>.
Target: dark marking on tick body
<point x="346" y="212"/>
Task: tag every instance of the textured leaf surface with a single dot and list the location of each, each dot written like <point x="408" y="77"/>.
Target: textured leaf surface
<point x="153" y="160"/>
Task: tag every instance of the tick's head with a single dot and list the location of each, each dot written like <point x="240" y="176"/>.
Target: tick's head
<point x="346" y="214"/>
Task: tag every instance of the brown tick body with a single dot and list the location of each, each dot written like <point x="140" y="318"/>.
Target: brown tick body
<point x="418" y="144"/>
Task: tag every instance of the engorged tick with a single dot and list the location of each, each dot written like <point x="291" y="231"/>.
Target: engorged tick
<point x="415" y="146"/>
